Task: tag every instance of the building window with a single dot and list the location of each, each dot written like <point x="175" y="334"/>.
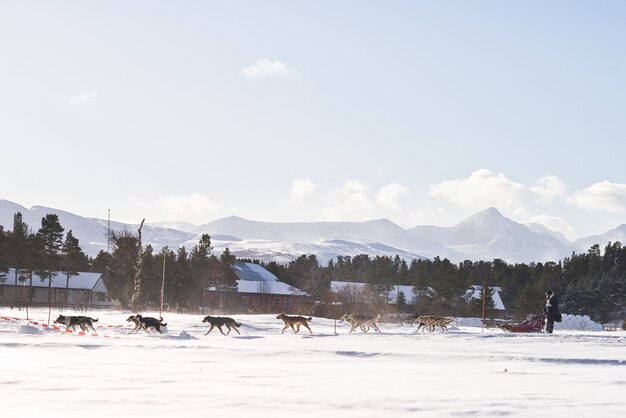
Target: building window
<point x="32" y="292"/>
<point x="245" y="300"/>
<point x="276" y="301"/>
<point x="287" y="302"/>
<point x="1" y="290"/>
<point x="255" y="300"/>
<point x="266" y="300"/>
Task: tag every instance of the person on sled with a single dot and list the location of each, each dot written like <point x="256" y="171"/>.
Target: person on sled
<point x="551" y="311"/>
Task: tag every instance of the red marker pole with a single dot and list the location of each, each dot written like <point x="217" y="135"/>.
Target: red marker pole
<point x="484" y="293"/>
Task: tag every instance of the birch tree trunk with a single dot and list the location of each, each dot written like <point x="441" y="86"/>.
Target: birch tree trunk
<point x="137" y="287"/>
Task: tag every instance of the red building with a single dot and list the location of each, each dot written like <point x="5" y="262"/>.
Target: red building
<point x="256" y="290"/>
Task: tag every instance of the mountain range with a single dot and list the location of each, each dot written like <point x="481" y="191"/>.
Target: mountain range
<point x="487" y="235"/>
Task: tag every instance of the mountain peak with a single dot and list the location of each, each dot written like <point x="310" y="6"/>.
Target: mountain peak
<point x="488" y="216"/>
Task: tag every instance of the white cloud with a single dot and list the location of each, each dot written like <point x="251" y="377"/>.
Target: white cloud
<point x="85" y="97"/>
<point x="301" y="188"/>
<point x="266" y="68"/>
<point x="606" y="196"/>
<point x="549" y="188"/>
<point x="348" y="202"/>
<point x="191" y="208"/>
<point x="484" y="188"/>
<point x="388" y="196"/>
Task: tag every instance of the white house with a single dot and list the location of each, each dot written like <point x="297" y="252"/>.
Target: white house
<point x="86" y="289"/>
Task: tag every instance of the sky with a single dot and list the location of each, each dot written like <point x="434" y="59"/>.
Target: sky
<point x="423" y="113"/>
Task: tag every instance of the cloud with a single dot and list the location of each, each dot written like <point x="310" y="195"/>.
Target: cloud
<point x="192" y="208"/>
<point x="484" y="188"/>
<point x="85" y="97"/>
<point x="388" y="196"/>
<point x="265" y="68"/>
<point x="348" y="202"/>
<point x="549" y="188"/>
<point x="605" y="196"/>
<point x="301" y="188"/>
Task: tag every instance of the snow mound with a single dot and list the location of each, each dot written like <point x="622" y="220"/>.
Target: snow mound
<point x="568" y="323"/>
<point x="28" y="329"/>
<point x="577" y="323"/>
<point x="185" y="336"/>
<point x="182" y="336"/>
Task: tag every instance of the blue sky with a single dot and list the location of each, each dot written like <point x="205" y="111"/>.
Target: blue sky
<point x="419" y="112"/>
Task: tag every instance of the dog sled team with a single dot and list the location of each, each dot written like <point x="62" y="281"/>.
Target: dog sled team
<point x="363" y="322"/>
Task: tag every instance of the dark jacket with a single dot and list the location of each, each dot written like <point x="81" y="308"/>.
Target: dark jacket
<point x="552" y="308"/>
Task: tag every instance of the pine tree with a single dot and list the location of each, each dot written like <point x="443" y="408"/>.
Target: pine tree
<point x="200" y="264"/>
<point x="134" y="301"/>
<point x="49" y="239"/>
<point x="4" y="250"/>
<point x="73" y="260"/>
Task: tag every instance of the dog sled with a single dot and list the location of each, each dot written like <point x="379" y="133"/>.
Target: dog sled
<point x="534" y="323"/>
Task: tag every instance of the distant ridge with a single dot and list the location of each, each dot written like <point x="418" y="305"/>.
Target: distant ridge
<point x="486" y="235"/>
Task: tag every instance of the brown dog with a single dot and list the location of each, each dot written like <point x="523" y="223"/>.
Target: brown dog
<point x="294" y="322"/>
<point x="219" y="321"/>
<point x="362" y="321"/>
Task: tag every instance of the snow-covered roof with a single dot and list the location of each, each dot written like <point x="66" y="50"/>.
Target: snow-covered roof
<point x="84" y="281"/>
<point x="253" y="272"/>
<point x="270" y="288"/>
<point x="263" y="287"/>
<point x="476" y="292"/>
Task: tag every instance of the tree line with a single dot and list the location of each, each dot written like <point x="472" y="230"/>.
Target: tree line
<point x="592" y="283"/>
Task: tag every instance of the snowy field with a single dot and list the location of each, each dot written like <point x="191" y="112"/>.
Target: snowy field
<point x="261" y="373"/>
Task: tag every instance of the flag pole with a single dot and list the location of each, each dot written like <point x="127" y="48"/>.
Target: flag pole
<point x="484" y="297"/>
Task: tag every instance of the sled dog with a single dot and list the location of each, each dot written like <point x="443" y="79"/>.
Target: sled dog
<point x="294" y="322"/>
<point x="362" y="321"/>
<point x="442" y="323"/>
<point x="219" y="321"/>
<point x="84" y="322"/>
<point x="425" y="322"/>
<point x="145" y="322"/>
<point x="430" y="322"/>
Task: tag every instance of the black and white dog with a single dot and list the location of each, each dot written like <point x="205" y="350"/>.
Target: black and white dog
<point x="84" y="322"/>
<point x="145" y="322"/>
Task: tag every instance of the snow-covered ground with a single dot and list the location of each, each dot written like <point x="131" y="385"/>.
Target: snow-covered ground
<point x="261" y="373"/>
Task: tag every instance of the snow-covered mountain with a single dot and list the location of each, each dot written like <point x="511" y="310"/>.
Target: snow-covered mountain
<point x="614" y="235"/>
<point x="486" y="235"/>
<point x="92" y="233"/>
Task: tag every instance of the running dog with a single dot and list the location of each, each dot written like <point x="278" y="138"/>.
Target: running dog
<point x="362" y="321"/>
<point x="294" y="322"/>
<point x="442" y="323"/>
<point x="426" y="322"/>
<point x="430" y="322"/>
<point x="146" y="322"/>
<point x="219" y="321"/>
<point x="84" y="322"/>
<point x="135" y="320"/>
